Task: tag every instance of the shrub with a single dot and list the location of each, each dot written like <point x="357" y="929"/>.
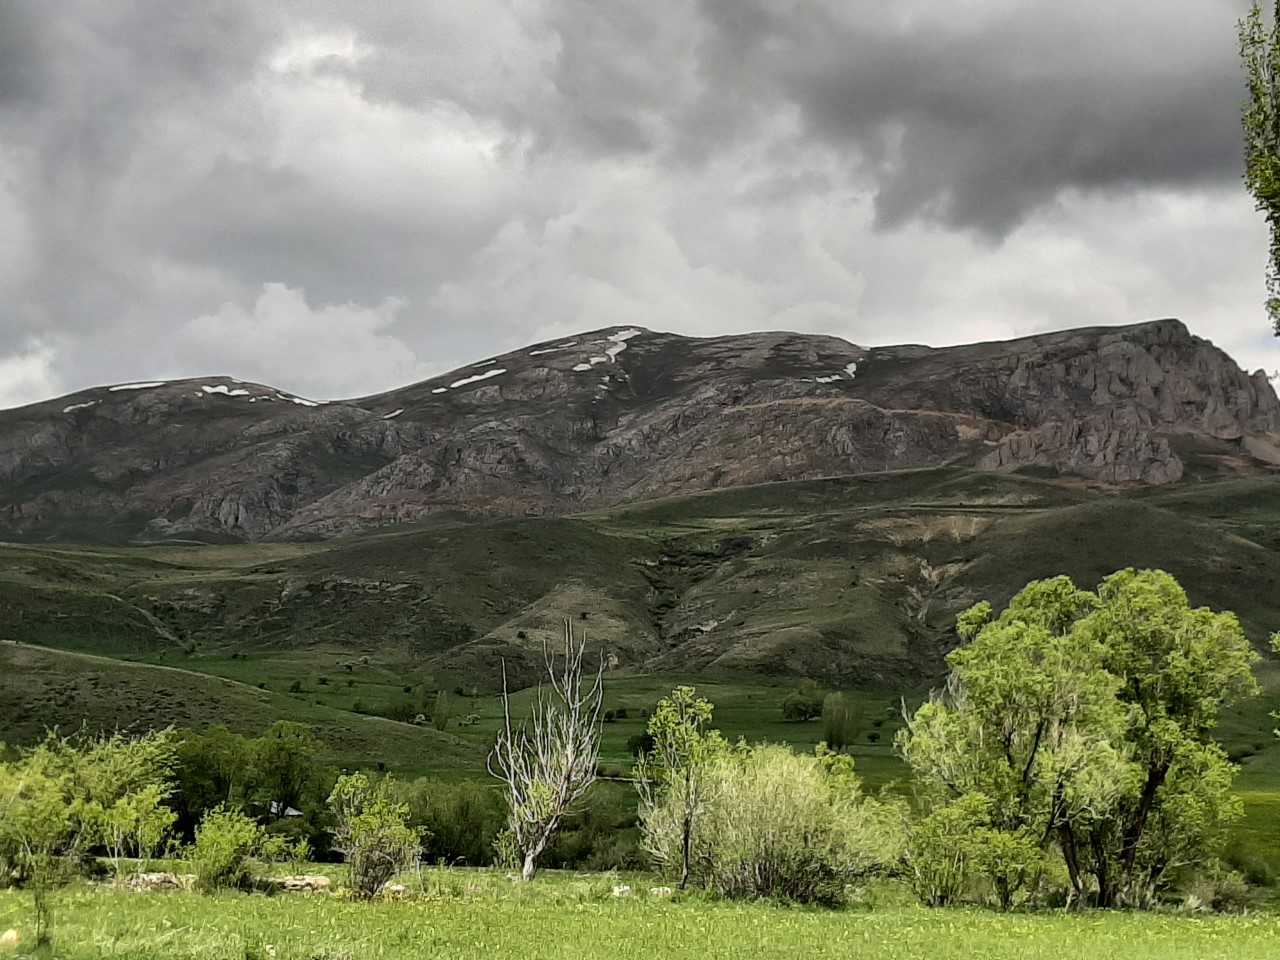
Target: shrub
<point x="609" y="716"/>
<point x="941" y="848"/>
<point x="1219" y="888"/>
<point x="621" y="713"/>
<point x="458" y="820"/>
<point x="640" y="743"/>
<point x="803" y="703"/>
<point x="791" y="827"/>
<point x="295" y="687"/>
<point x="372" y="832"/>
<point x="226" y="841"/>
<point x="279" y="848"/>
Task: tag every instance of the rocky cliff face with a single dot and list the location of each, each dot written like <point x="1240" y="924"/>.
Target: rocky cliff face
<point x="619" y="415"/>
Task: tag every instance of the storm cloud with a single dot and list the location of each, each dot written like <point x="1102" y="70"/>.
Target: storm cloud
<point x="335" y="197"/>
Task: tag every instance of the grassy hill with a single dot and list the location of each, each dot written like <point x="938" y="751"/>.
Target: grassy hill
<point x="854" y="581"/>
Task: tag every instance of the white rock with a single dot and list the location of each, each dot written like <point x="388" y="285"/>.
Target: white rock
<point x="393" y="414"/>
<point x="622" y="890"/>
<point x="304" y="883"/>
<point x="661" y="892"/>
<point x="79" y="406"/>
<point x="137" y="386"/>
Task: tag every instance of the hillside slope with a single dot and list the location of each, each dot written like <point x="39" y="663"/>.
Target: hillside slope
<point x="852" y="580"/>
<point x="618" y="416"/>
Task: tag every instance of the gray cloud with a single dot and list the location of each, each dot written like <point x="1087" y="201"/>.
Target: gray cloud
<point x="409" y="186"/>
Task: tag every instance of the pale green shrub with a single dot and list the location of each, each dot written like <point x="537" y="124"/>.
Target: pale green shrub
<point x="226" y="841"/>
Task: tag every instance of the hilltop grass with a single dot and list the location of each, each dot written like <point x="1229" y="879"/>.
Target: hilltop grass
<point x="576" y="917"/>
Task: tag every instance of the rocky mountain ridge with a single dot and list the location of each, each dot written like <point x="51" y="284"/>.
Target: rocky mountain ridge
<point x="622" y="415"/>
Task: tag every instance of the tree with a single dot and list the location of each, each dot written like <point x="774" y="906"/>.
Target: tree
<point x="137" y="823"/>
<point x="1260" y="56"/>
<point x="372" y="832"/>
<point x="1176" y="667"/>
<point x="803" y="703"/>
<point x="1085" y="718"/>
<point x="440" y="711"/>
<point x="841" y="721"/>
<point x="549" y="763"/>
<point x="210" y="768"/>
<point x="41" y="827"/>
<point x="60" y="797"/>
<point x="286" y="768"/>
<point x="673" y="776"/>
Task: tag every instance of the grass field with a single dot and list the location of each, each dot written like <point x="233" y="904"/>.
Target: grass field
<point x="465" y="916"/>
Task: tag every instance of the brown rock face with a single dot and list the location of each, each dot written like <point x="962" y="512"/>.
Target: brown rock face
<point x="619" y="415"/>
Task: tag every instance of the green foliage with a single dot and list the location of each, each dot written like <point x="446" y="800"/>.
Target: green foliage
<point x="1085" y="719"/>
<point x="459" y="821"/>
<point x="67" y="794"/>
<point x="941" y="848"/>
<point x="286" y="768"/>
<point x="674" y="779"/>
<point x="265" y="775"/>
<point x="372" y="832"/>
<point x="1260" y="55"/>
<point x="279" y="848"/>
<point x="226" y="842"/>
<point x="792" y="827"/>
<point x="440" y="711"/>
<point x="841" y="721"/>
<point x="803" y="703"/>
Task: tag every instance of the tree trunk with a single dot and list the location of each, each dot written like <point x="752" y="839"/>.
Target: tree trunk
<point x="530" y="866"/>
<point x="686" y="850"/>
<point x="1133" y="834"/>
<point x="1067" y="838"/>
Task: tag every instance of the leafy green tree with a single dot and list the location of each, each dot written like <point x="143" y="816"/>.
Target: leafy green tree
<point x="1260" y="55"/>
<point x="1176" y="667"/>
<point x="62" y="796"/>
<point x="42" y="827"/>
<point x="372" y="832"/>
<point x="1085" y="718"/>
<point x="674" y="776"/>
<point x="841" y="721"/>
<point x="212" y="767"/>
<point x="1027" y="715"/>
<point x="287" y="771"/>
<point x="440" y="711"/>
<point x="137" y="823"/>
<point x="803" y="703"/>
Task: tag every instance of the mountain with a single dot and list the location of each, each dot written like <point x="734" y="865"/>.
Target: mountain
<point x="620" y="416"/>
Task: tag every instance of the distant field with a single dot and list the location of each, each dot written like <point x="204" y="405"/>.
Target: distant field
<point x="577" y="918"/>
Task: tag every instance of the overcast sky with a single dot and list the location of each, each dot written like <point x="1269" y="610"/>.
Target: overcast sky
<point x="340" y="197"/>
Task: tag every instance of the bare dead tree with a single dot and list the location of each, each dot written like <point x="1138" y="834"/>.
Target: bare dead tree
<point x="549" y="763"/>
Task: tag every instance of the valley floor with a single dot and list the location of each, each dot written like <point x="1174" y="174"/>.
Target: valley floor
<point x="579" y="918"/>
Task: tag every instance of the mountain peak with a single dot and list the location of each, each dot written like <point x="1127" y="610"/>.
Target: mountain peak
<point x="620" y="414"/>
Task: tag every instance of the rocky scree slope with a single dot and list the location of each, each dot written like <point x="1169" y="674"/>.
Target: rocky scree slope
<point x="622" y="415"/>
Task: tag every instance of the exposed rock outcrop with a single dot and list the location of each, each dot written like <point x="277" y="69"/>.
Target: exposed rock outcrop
<point x="619" y="415"/>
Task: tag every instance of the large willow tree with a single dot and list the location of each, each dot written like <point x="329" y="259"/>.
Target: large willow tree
<point x="1260" y="54"/>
